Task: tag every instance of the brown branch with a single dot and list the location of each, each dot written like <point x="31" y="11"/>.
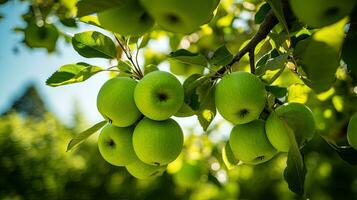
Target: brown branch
<point x="252" y="60"/>
<point x="268" y="24"/>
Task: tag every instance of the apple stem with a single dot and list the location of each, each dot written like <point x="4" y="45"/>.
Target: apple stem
<point x="136" y="68"/>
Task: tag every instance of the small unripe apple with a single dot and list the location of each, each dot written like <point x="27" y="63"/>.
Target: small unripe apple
<point x="157" y="142"/>
<point x="159" y="95"/>
<point x="129" y="18"/>
<point x="250" y="144"/>
<point x="180" y="16"/>
<point x="352" y="131"/>
<point x="116" y="103"/>
<point x="141" y="170"/>
<point x="298" y="118"/>
<point x="319" y="13"/>
<point x="189" y="174"/>
<point x="240" y="97"/>
<point x="44" y="36"/>
<point x="115" y="145"/>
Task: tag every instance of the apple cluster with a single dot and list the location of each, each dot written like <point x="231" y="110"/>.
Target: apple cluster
<point x="240" y="99"/>
<point x="141" y="135"/>
<point x="135" y="17"/>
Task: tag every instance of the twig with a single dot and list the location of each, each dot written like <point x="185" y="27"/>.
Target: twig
<point x="252" y="60"/>
<point x="268" y="24"/>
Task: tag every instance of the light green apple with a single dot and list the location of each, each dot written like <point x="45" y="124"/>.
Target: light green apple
<point x="298" y="117"/>
<point x="319" y="13"/>
<point x="180" y="16"/>
<point x="44" y="36"/>
<point x="189" y="174"/>
<point x="116" y="103"/>
<point x="352" y="131"/>
<point x="115" y="145"/>
<point x="128" y="18"/>
<point x="157" y="142"/>
<point x="159" y="95"/>
<point x="250" y="144"/>
<point x="240" y="97"/>
<point x="228" y="157"/>
<point x="141" y="170"/>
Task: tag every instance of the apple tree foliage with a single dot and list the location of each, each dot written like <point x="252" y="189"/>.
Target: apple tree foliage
<point x="302" y="51"/>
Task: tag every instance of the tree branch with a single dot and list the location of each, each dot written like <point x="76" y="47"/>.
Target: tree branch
<point x="268" y="24"/>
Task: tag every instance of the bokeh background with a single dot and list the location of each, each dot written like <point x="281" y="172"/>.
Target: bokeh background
<point x="37" y="122"/>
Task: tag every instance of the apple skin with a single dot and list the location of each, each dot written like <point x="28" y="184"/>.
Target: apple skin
<point x="44" y="36"/>
<point x="115" y="101"/>
<point x="250" y="144"/>
<point x="319" y="13"/>
<point x="127" y="19"/>
<point x="352" y="131"/>
<point x="240" y="97"/>
<point x="141" y="170"/>
<point x="180" y="16"/>
<point x="115" y="145"/>
<point x="157" y="142"/>
<point x="159" y="95"/>
<point x="298" y="117"/>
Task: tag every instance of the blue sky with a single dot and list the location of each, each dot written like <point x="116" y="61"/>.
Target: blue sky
<point x="17" y="70"/>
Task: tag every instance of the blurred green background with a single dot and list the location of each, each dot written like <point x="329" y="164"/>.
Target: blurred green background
<point x="37" y="122"/>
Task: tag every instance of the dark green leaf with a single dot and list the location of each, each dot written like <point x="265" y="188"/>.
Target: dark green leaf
<point x="93" y="44"/>
<point x="72" y="73"/>
<point x="278" y="9"/>
<point x="85" y="134"/>
<point x="347" y="153"/>
<point x="295" y="171"/>
<point x="214" y="180"/>
<point x="207" y="106"/>
<point x="272" y="64"/>
<point x="277" y="91"/>
<point x="187" y="57"/>
<point x="261" y="13"/>
<point x="221" y="56"/>
<point x="190" y="86"/>
<point x="87" y="7"/>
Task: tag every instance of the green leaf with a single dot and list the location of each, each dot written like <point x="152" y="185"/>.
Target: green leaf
<point x="72" y="73"/>
<point x="221" y="56"/>
<point x="278" y="9"/>
<point x="187" y="57"/>
<point x="295" y="171"/>
<point x="190" y="86"/>
<point x="90" y="19"/>
<point x="93" y="44"/>
<point x="85" y="134"/>
<point x="347" y="153"/>
<point x="125" y="68"/>
<point x="277" y="91"/>
<point x="207" y="106"/>
<point x="87" y="7"/>
<point x="261" y="13"/>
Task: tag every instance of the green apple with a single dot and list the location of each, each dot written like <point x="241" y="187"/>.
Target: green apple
<point x="141" y="170"/>
<point x="180" y="16"/>
<point x="129" y="18"/>
<point x="189" y="174"/>
<point x="319" y="13"/>
<point x="116" y="103"/>
<point x="159" y="95"/>
<point x="44" y="36"/>
<point x="295" y="115"/>
<point x="157" y="142"/>
<point x="250" y="144"/>
<point x="116" y="146"/>
<point x="183" y="69"/>
<point x="228" y="157"/>
<point x="352" y="131"/>
<point x="240" y="97"/>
